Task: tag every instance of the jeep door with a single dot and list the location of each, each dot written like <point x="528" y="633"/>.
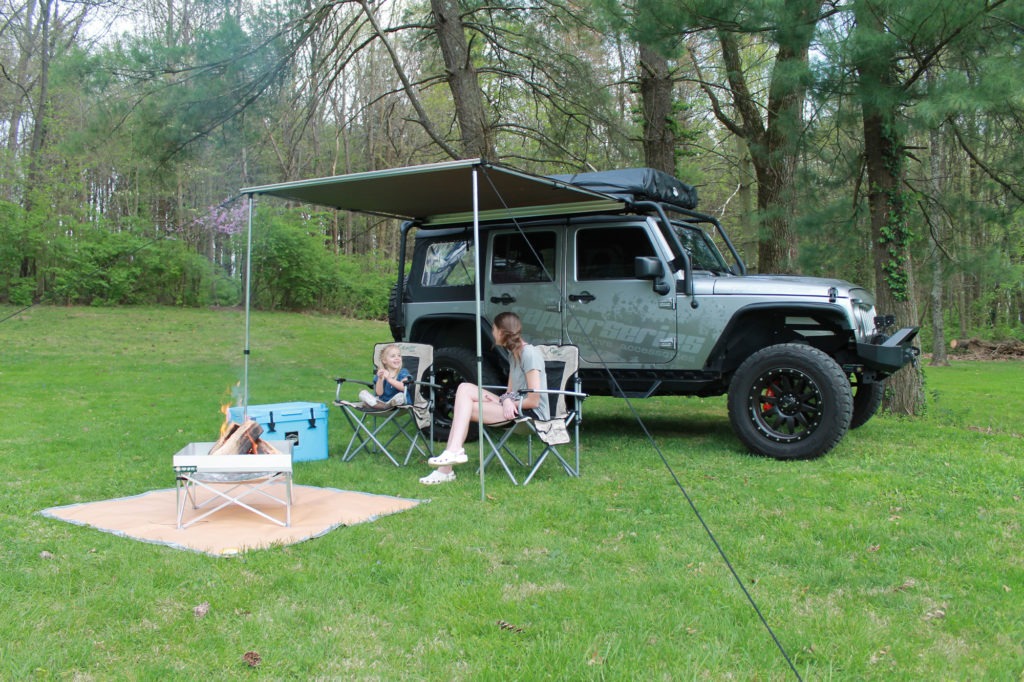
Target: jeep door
<point x="614" y="317"/>
<point x="524" y="276"/>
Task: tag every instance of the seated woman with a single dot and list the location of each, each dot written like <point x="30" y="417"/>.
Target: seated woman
<point x="526" y="372"/>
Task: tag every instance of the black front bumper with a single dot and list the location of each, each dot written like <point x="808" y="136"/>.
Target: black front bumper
<point x="891" y="354"/>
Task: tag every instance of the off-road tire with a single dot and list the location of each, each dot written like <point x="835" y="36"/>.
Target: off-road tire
<point x="452" y="366"/>
<point x="790" y="401"/>
<point x="394" y="308"/>
<point x="866" y="400"/>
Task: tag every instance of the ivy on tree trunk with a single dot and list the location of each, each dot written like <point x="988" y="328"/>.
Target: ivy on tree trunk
<point x="880" y="99"/>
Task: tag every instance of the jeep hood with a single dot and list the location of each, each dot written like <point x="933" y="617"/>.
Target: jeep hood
<point x="787" y="285"/>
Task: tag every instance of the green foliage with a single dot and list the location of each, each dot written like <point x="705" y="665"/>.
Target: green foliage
<point x="292" y="271"/>
<point x="175" y="275"/>
<point x="145" y="132"/>
<point x="12" y="239"/>
<point x="92" y="264"/>
<point x="364" y="283"/>
<point x="895" y="238"/>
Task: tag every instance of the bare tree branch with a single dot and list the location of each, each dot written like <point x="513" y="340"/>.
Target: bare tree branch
<point x="983" y="166"/>
<point x="424" y="119"/>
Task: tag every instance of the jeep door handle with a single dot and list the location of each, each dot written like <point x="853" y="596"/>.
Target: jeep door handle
<point x="504" y="299"/>
<point x="584" y="297"/>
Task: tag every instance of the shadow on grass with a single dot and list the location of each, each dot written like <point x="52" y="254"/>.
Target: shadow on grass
<point x="662" y="426"/>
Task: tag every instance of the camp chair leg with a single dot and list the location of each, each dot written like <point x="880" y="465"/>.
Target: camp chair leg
<point x="569" y="469"/>
<point x="367" y="437"/>
<point x="495" y="450"/>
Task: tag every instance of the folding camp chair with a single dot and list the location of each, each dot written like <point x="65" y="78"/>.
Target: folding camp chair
<point x="378" y="427"/>
<point x="565" y="397"/>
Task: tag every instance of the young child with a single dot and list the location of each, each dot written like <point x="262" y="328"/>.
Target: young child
<point x="388" y="385"/>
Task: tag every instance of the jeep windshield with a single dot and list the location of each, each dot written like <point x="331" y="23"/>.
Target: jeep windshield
<point x="704" y="255"/>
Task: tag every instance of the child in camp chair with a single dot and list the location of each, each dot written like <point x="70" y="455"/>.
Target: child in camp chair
<point x="389" y="383"/>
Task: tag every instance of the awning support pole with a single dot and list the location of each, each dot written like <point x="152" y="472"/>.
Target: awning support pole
<point x="248" y="287"/>
<point x="479" y="340"/>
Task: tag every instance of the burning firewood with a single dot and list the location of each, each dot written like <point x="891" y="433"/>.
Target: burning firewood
<point x="242" y="439"/>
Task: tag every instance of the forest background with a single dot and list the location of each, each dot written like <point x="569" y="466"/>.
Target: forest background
<point x="874" y="140"/>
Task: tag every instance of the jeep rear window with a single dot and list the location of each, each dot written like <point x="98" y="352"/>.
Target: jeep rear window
<point x="517" y="258"/>
<point x="609" y="253"/>
<point x="448" y="264"/>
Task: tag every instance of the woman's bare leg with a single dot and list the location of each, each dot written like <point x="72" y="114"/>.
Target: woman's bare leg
<point x="467" y="409"/>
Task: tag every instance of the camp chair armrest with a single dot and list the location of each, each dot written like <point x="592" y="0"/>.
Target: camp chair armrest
<point x="554" y="391"/>
<point x="342" y="380"/>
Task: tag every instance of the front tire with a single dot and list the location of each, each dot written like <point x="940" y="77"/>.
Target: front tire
<point x="790" y="401"/>
<point x="453" y="366"/>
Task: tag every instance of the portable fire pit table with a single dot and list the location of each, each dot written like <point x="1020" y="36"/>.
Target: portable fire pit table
<point x="231" y="480"/>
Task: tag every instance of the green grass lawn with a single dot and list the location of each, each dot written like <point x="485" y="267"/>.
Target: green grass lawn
<point x="897" y="556"/>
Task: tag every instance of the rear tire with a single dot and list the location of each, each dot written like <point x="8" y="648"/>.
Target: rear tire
<point x="866" y="400"/>
<point x="453" y="366"/>
<point x="790" y="401"/>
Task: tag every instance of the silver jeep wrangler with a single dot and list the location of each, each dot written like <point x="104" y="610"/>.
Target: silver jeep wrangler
<point x="656" y="309"/>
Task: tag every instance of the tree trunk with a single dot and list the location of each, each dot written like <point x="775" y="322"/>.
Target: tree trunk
<point x="477" y="136"/>
<point x="40" y="114"/>
<point x="938" y="310"/>
<point x="890" y="236"/>
<point x="656" y="98"/>
<point x="773" y="141"/>
<point x="407" y="85"/>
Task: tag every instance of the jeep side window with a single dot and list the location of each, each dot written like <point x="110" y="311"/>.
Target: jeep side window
<point x="610" y="253"/>
<point x="517" y="258"/>
<point x="448" y="264"/>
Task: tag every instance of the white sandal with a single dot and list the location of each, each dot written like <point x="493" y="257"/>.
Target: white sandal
<point x="448" y="458"/>
<point x="438" y="477"/>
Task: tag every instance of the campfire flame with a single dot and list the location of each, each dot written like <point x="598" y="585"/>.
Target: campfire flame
<point x="240" y="439"/>
<point x="226" y="424"/>
<point x="226" y="407"/>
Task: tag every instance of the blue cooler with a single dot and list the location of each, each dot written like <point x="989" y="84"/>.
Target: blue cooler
<point x="304" y="424"/>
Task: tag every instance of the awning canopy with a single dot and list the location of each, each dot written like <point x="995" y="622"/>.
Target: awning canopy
<point x="435" y="194"/>
<point x="442" y="193"/>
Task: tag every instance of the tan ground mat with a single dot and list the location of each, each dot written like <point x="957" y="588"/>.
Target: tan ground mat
<point x="151" y="517"/>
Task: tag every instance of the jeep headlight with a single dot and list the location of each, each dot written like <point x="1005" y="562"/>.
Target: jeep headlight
<point x="863" y="308"/>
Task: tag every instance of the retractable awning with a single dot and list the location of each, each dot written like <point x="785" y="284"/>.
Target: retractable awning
<point x="464" y="191"/>
<point x="442" y="193"/>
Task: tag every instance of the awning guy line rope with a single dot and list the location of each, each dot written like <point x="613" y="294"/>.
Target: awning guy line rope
<point x="650" y="439"/>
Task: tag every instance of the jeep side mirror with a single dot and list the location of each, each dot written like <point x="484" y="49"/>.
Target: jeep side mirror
<point x="648" y="267"/>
